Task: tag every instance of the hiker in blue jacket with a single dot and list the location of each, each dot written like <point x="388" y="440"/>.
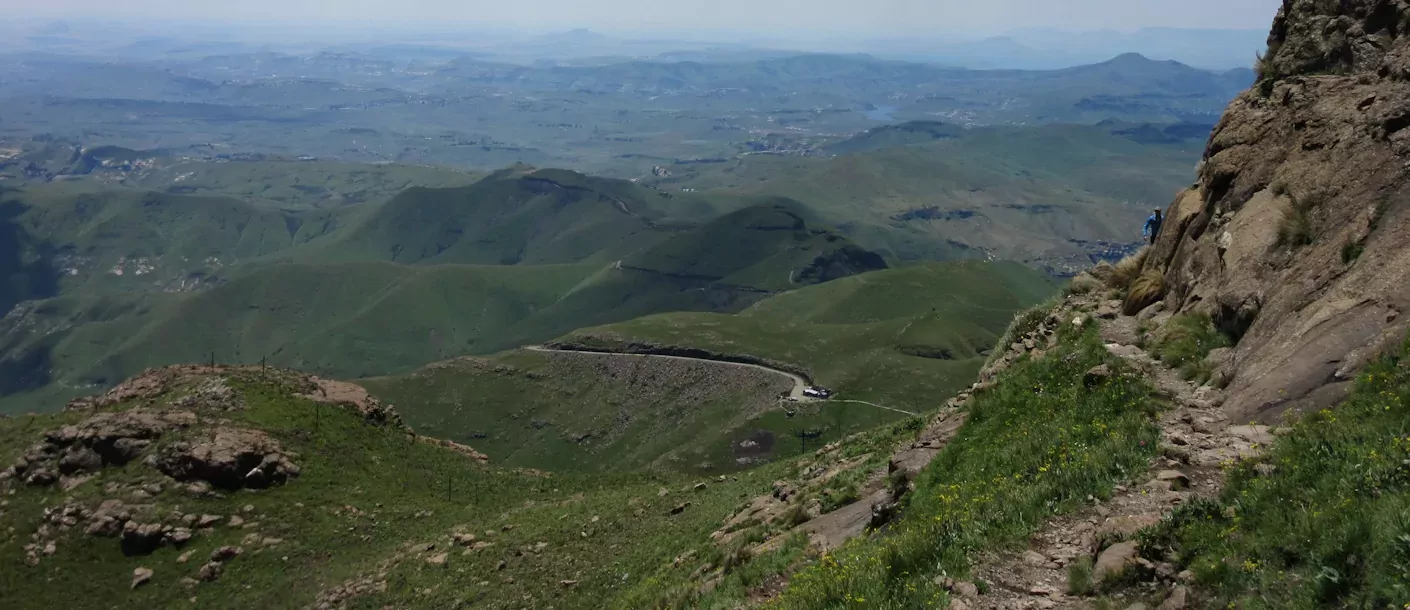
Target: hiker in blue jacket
<point x="1153" y="227"/>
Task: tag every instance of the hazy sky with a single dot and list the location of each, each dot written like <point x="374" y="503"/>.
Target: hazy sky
<point x="780" y="17"/>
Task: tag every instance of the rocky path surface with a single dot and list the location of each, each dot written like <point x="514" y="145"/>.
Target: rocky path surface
<point x="1197" y="440"/>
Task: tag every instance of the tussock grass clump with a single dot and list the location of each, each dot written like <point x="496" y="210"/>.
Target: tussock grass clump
<point x="1128" y="270"/>
<point x="1144" y="292"/>
<point x="1328" y="526"/>
<point x="1035" y="445"/>
<point x="1187" y="340"/>
<point x="1079" y="577"/>
<point x="1351" y="250"/>
<point x="1084" y="283"/>
<point x="1295" y="227"/>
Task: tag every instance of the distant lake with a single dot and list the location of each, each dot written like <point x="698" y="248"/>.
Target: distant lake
<point x="879" y="113"/>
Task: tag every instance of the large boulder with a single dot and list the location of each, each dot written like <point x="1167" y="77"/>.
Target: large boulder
<point x="233" y="458"/>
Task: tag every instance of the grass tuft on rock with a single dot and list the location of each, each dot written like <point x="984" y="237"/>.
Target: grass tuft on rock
<point x="1187" y="340"/>
<point x="1128" y="270"/>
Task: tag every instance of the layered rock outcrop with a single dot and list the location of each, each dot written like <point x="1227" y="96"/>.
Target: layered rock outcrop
<point x="1295" y="237"/>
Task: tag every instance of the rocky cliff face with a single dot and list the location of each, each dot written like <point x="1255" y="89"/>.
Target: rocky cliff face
<point x="1295" y="236"/>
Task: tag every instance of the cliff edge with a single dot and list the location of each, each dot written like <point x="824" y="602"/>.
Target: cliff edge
<point x="1294" y="237"/>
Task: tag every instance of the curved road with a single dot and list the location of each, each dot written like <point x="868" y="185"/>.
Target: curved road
<point x="799" y="383"/>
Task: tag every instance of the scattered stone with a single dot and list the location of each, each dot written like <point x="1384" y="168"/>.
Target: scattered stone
<point x="1096" y="376"/>
<point x="501" y="565"/>
<point x="1034" y="558"/>
<point x="568" y="584"/>
<point x="438" y="561"/>
<point x="235" y="521"/>
<point x="207" y="521"/>
<point x="1177" y="601"/>
<point x="1115" y="560"/>
<point x="225" y="553"/>
<point x="965" y="590"/>
<point x="680" y="508"/>
<point x="141" y="576"/>
<point x="663" y="492"/>
<point x="463" y="539"/>
<point x="211" y="571"/>
<point x="184" y="557"/>
<point x="140" y="539"/>
<point x="698" y="487"/>
<point x="177" y="536"/>
<point x="1176" y="479"/>
<point x="249" y="508"/>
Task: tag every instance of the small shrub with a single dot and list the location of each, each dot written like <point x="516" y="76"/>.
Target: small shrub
<point x="1382" y="207"/>
<point x="795" y="516"/>
<point x="1084" y="283"/>
<point x="835" y="498"/>
<point x="1079" y="577"/>
<point x="1295" y="227"/>
<point x="1352" y="250"/>
<point x="1187" y="340"/>
<point x="1147" y="290"/>
<point x="1128" y="270"/>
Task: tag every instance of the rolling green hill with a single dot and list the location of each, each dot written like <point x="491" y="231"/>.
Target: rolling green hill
<point x="518" y="215"/>
<point x="605" y="413"/>
<point x="153" y="278"/>
<point x="1053" y="196"/>
<point x="906" y="338"/>
<point x="368" y="503"/>
<point x="148" y="241"/>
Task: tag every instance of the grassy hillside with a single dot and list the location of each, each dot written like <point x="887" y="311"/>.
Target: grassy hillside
<point x="149" y="241"/>
<point x="368" y="504"/>
<point x="906" y="337"/>
<point x="766" y="246"/>
<point x="300" y="184"/>
<point x="1021" y="457"/>
<point x="608" y="413"/>
<point x="356" y="319"/>
<point x="1047" y="195"/>
<point x="515" y="216"/>
<point x="350" y="320"/>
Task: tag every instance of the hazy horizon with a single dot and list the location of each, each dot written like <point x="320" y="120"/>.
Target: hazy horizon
<point x="781" y="19"/>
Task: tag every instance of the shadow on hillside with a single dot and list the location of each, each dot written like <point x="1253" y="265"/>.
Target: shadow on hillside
<point x="29" y="371"/>
<point x="22" y="280"/>
<point x="27" y="272"/>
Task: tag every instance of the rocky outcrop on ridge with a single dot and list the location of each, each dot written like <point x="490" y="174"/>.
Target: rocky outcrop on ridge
<point x="1295" y="236"/>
